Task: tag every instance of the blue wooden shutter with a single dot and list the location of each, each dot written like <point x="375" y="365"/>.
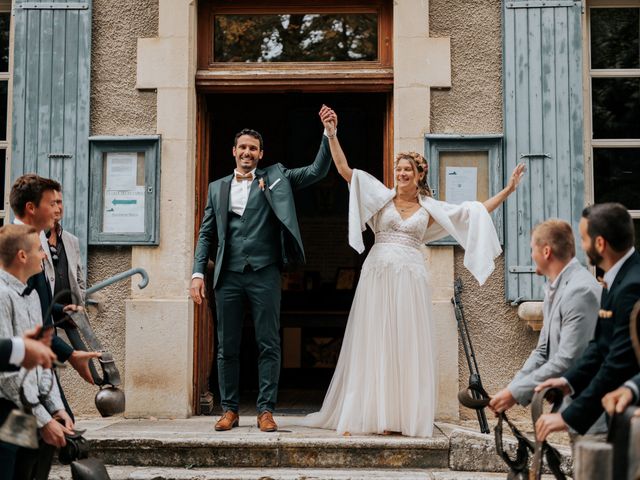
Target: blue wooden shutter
<point x="543" y="121"/>
<point x="51" y="73"/>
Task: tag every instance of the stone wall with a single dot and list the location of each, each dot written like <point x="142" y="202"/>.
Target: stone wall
<point x="473" y="105"/>
<point x="117" y="108"/>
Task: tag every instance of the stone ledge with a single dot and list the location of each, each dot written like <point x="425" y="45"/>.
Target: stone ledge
<point x="471" y="451"/>
<point x="531" y="313"/>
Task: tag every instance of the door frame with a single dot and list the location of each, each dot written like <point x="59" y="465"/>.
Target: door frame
<point x="203" y="354"/>
<point x="375" y="77"/>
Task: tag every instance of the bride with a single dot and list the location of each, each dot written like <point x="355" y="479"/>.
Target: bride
<point x="385" y="378"/>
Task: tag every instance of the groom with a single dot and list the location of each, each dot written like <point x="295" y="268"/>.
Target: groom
<point x="250" y="220"/>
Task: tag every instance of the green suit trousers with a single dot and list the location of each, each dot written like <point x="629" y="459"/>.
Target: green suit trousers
<point x="261" y="289"/>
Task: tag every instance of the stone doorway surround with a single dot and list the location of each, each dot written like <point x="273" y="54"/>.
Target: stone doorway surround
<point x="159" y="320"/>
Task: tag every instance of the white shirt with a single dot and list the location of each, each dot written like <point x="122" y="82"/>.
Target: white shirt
<point x="240" y="192"/>
<point x="610" y="275"/>
<point x="17" y="351"/>
<point x="550" y="288"/>
<point x="238" y="197"/>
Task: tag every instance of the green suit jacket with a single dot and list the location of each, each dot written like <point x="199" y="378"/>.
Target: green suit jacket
<point x="279" y="182"/>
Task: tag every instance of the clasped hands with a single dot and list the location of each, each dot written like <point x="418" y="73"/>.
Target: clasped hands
<point x="55" y="430"/>
<point x="548" y="422"/>
<point x="613" y="402"/>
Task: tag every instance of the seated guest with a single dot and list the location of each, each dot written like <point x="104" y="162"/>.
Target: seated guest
<point x="571" y="300"/>
<point x="27" y="351"/>
<point x="607" y="237"/>
<point x="20" y="258"/>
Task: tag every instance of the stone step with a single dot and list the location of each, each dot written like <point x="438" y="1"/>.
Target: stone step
<point x="473" y="451"/>
<point x="193" y="443"/>
<point x="154" y="473"/>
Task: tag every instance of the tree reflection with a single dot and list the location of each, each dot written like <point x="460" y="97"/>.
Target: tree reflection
<point x="296" y="38"/>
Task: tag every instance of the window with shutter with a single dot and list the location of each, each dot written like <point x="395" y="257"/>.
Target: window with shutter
<point x="543" y="121"/>
<point x="50" y="117"/>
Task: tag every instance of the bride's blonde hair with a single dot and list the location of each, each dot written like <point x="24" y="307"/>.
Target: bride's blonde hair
<point x="419" y="165"/>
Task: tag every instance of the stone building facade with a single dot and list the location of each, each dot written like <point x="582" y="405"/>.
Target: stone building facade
<point x="444" y="75"/>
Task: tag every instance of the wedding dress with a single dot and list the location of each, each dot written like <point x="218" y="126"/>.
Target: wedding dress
<point x="386" y="378"/>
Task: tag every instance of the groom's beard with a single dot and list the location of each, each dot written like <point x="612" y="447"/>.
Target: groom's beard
<point x="594" y="257"/>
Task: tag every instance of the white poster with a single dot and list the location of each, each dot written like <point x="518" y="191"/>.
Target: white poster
<point x="124" y="210"/>
<point x="122" y="170"/>
<point x="461" y="184"/>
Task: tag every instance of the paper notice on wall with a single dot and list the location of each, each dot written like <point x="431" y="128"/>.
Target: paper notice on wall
<point x="124" y="211"/>
<point x="121" y="171"/>
<point x="461" y="184"/>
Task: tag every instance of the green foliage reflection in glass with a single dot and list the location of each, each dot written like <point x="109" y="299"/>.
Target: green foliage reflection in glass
<point x="615" y="35"/>
<point x="5" y="25"/>
<point x="296" y="38"/>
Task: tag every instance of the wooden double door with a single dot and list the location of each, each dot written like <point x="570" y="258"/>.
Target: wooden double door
<point x="317" y="296"/>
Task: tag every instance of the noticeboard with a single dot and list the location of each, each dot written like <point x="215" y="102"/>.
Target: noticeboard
<point x="465" y="168"/>
<point x="125" y="180"/>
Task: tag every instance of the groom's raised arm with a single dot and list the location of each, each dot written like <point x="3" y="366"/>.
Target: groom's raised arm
<point x="304" y="176"/>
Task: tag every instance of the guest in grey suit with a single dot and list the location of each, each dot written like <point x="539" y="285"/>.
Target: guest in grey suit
<point x="63" y="262"/>
<point x="571" y="301"/>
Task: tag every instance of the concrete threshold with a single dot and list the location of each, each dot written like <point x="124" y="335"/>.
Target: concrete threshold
<point x="193" y="443"/>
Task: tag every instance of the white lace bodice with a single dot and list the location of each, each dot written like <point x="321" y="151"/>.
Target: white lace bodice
<point x="389" y="226"/>
<point x="398" y="242"/>
<point x="370" y="203"/>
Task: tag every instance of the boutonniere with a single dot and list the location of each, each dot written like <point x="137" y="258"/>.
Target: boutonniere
<point x="261" y="183"/>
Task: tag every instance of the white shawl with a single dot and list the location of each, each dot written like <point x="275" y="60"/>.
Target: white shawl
<point x="469" y="223"/>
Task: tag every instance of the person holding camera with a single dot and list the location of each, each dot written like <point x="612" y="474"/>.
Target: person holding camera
<point x="21" y="257"/>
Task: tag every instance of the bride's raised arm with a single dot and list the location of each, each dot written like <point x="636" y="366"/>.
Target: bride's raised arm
<point x="494" y="202"/>
<point x="330" y="122"/>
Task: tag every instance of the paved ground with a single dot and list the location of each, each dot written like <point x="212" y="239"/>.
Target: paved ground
<point x="130" y="473"/>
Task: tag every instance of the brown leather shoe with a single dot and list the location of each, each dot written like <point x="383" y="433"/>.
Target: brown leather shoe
<point x="266" y="422"/>
<point x="227" y="421"/>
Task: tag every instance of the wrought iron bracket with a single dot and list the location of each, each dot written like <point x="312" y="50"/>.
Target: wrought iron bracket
<point x="116" y="278"/>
